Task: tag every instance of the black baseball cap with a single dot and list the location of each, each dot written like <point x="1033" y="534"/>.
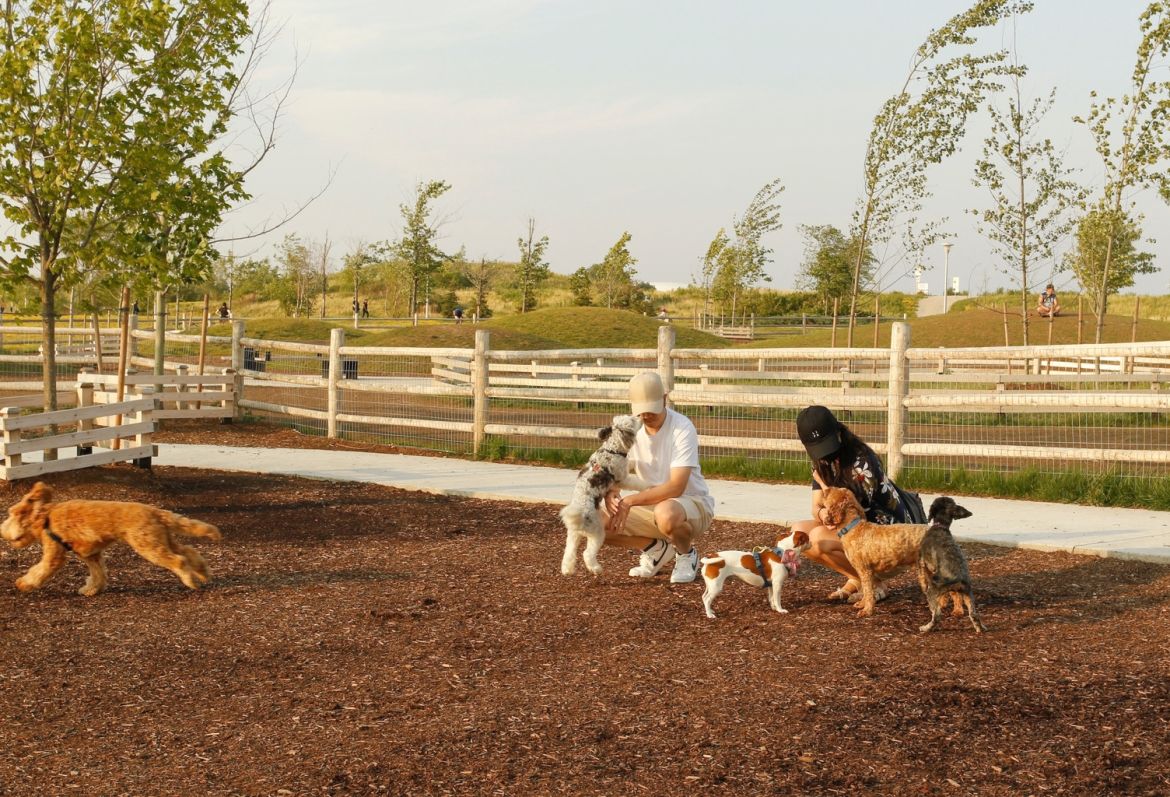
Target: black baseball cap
<point x="819" y="431"/>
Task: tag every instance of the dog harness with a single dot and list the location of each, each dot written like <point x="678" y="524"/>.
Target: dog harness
<point x="787" y="558"/>
<point x="849" y="527"/>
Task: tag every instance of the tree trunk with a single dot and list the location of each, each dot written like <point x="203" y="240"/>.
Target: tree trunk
<point x="49" y="339"/>
<point x="1103" y="297"/>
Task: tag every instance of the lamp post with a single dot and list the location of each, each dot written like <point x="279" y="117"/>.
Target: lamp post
<point x="946" y="271"/>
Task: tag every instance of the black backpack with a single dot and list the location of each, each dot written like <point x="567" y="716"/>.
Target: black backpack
<point x="913" y="506"/>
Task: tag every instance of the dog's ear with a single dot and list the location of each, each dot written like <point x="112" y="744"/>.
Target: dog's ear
<point x="603" y="434"/>
<point x="40" y="492"/>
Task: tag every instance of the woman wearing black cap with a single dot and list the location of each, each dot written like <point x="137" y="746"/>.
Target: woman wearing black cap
<point x="841" y="459"/>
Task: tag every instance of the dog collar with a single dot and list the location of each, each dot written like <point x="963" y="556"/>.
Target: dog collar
<point x="55" y="537"/>
<point x="849" y="527"/>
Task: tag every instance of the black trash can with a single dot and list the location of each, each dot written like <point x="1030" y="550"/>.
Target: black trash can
<point x="348" y="369"/>
<point x="250" y="361"/>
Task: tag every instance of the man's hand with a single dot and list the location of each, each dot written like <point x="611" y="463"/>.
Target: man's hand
<point x="618" y="511"/>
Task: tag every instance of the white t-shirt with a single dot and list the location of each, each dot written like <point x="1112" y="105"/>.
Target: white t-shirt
<point x="675" y="445"/>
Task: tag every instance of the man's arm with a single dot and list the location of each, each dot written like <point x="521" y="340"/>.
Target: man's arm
<point x="673" y="487"/>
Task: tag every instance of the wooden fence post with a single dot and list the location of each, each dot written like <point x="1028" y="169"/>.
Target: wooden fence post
<point x="160" y="336"/>
<point x="899" y="388"/>
<point x="479" y="388"/>
<point x="237" y="364"/>
<point x="336" y="341"/>
<point x="84" y="399"/>
<point x="11" y="437"/>
<point x="665" y="361"/>
<point x="237" y="345"/>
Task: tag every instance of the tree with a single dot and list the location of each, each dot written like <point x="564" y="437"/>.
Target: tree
<point x="919" y="126"/>
<point x="109" y="116"/>
<point x="613" y="277"/>
<point x="827" y="269"/>
<point x="355" y="266"/>
<point x="1105" y="258"/>
<point x="581" y="285"/>
<point x="481" y="276"/>
<point x="710" y="266"/>
<point x="1133" y="156"/>
<point x="1031" y="191"/>
<point x="321" y="256"/>
<point x="733" y="266"/>
<point x="532" y="270"/>
<point x="417" y="245"/>
<point x="298" y="276"/>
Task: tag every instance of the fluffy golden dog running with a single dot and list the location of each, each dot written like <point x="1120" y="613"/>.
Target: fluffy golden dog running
<point x="874" y="550"/>
<point x="88" y="527"/>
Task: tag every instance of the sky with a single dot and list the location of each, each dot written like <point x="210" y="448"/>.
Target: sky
<point x="658" y="118"/>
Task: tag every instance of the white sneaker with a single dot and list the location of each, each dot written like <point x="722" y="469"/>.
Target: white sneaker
<point x="653" y="557"/>
<point x="686" y="566"/>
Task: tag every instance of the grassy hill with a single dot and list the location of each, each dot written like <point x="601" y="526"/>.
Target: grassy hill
<point x="597" y="327"/>
<point x="977" y="326"/>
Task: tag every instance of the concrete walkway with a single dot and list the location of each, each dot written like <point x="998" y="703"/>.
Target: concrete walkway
<point x="1123" y="533"/>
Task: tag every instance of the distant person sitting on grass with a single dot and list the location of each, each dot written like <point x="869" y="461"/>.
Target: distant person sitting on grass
<point x="458" y="315"/>
<point x="1049" y="305"/>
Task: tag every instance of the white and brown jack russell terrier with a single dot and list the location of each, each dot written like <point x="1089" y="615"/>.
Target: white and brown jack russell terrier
<point x="766" y="567"/>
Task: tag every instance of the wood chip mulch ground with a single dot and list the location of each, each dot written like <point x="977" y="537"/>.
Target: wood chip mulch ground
<point x="357" y="639"/>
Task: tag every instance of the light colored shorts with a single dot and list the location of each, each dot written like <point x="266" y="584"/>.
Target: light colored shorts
<point x="640" y="521"/>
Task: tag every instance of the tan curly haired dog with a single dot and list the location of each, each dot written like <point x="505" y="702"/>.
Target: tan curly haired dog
<point x="87" y="528"/>
<point x="874" y="550"/>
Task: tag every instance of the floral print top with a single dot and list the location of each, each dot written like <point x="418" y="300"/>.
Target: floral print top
<point x="875" y="492"/>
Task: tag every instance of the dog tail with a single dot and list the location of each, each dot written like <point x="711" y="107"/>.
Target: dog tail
<point x="194" y="528"/>
<point x="711" y="558"/>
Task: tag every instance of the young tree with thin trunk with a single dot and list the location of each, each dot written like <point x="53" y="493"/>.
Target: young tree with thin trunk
<point x="919" y="126"/>
<point x="1134" y="156"/>
<point x="710" y="266"/>
<point x="738" y="264"/>
<point x="481" y="276"/>
<point x="1105" y="257"/>
<point x="1032" y="194"/>
<point x="298" y="275"/>
<point x="827" y="269"/>
<point x="417" y="245"/>
<point x="532" y="270"/>
<point x="321" y="255"/>
<point x="613" y="277"/>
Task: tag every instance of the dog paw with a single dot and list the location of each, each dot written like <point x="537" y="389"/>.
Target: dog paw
<point x="25" y="586"/>
<point x="864" y="611"/>
<point x="88" y="592"/>
<point x="595" y="570"/>
<point x="782" y="611"/>
<point x="710" y="615"/>
<point x="568" y="571"/>
<point x="928" y="627"/>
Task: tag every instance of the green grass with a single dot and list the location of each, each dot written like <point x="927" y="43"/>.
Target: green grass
<point x="599" y="328"/>
<point x="1075" y="486"/>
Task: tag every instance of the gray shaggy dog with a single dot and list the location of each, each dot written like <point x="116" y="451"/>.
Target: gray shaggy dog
<point x="606" y="468"/>
<point x="942" y="568"/>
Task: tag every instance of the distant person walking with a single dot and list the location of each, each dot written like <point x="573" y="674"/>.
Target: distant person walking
<point x="458" y="314"/>
<point x="365" y="308"/>
<point x="224" y="312"/>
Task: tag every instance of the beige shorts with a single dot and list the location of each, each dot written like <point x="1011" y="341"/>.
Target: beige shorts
<point x="640" y="521"/>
